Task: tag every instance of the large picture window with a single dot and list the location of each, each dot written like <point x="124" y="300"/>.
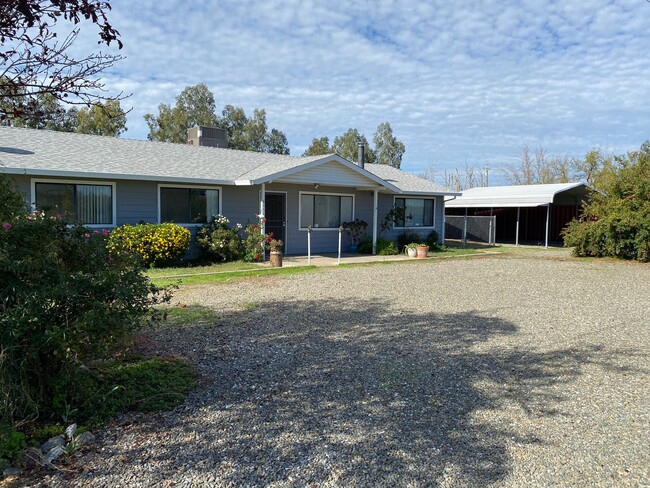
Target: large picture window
<point x="418" y="212"/>
<point x="188" y="205"/>
<point x="83" y="203"/>
<point x="324" y="211"/>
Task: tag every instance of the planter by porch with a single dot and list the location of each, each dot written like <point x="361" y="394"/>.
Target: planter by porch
<point x="411" y="251"/>
<point x="422" y="252"/>
<point x="276" y="259"/>
<point x="353" y="248"/>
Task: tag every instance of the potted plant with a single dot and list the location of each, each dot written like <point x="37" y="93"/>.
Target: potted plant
<point x="422" y="250"/>
<point x="275" y="248"/>
<point x="411" y="250"/>
<point x="356" y="231"/>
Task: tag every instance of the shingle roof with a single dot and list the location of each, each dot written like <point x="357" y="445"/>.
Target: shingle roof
<point x="407" y="182"/>
<point x="42" y="152"/>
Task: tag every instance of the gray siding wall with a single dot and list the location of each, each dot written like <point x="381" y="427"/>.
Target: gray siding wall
<point x="386" y="202"/>
<point x="241" y="205"/>
<point x="137" y="201"/>
<point x="23" y="185"/>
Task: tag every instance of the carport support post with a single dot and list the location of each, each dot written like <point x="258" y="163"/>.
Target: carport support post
<point x="548" y="217"/>
<point x="465" y="228"/>
<point x="374" y="221"/>
<point x="340" y="234"/>
<point x="517" y="228"/>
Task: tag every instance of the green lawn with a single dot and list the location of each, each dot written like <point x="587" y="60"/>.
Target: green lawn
<point x="218" y="273"/>
<point x="196" y="270"/>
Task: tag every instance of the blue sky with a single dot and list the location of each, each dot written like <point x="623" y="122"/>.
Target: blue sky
<point x="460" y="82"/>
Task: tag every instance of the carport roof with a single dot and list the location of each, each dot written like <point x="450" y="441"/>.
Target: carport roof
<point x="519" y="195"/>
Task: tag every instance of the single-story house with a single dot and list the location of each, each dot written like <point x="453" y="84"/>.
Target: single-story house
<point x="533" y="213"/>
<point x="107" y="182"/>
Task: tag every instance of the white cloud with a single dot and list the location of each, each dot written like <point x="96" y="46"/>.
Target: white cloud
<point x="459" y="81"/>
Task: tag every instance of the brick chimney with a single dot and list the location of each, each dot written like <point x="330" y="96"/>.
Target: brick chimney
<point x="207" y="136"/>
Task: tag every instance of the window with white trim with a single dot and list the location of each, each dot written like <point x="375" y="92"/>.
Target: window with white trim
<point x="188" y="205"/>
<point x="418" y="212"/>
<point x="324" y="211"/>
<point x="83" y="203"/>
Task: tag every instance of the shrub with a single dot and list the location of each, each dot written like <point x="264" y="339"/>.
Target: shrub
<point x="432" y="240"/>
<point x="365" y="246"/>
<point x="355" y="230"/>
<point x="11" y="201"/>
<point x="616" y="221"/>
<point x="407" y="238"/>
<point x="386" y="247"/>
<point x="153" y="244"/>
<point x="12" y="444"/>
<point x="64" y="301"/>
<point x="256" y="242"/>
<point x="219" y="242"/>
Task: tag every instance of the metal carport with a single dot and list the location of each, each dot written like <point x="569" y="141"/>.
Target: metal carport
<point x="522" y="196"/>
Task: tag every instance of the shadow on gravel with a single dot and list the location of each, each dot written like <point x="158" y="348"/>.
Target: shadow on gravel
<point x="353" y="394"/>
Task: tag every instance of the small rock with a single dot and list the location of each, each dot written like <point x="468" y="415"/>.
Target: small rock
<point x="11" y="472"/>
<point x="70" y="431"/>
<point x="85" y="439"/>
<point x="52" y="443"/>
<point x="32" y="457"/>
<point x="55" y="453"/>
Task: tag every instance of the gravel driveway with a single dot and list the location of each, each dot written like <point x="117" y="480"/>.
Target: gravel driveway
<point x="466" y="372"/>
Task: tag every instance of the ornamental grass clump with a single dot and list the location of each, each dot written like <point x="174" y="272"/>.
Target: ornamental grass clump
<point x="154" y="245"/>
<point x="220" y="242"/>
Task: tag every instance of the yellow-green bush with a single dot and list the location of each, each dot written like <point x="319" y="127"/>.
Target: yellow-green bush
<point x="154" y="244"/>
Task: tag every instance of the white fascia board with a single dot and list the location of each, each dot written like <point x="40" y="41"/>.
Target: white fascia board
<point x="112" y="176"/>
<point x="243" y="183"/>
<point x="432" y="193"/>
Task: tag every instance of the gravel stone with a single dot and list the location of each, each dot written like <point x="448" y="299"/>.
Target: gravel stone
<point x="70" y="431"/>
<point x="53" y="442"/>
<point x="32" y="457"/>
<point x="85" y="439"/>
<point x="529" y="370"/>
<point x="53" y="454"/>
<point x="11" y="472"/>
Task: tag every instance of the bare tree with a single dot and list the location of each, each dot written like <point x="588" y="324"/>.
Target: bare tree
<point x="457" y="179"/>
<point x="35" y="61"/>
<point x="539" y="167"/>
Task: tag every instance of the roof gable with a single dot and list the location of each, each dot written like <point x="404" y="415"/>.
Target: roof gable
<point x="329" y="169"/>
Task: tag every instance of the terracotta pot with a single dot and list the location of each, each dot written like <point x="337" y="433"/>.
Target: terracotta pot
<point x="276" y="259"/>
<point x="422" y="252"/>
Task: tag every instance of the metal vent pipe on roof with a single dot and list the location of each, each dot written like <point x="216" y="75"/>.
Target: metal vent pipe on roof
<point x="362" y="155"/>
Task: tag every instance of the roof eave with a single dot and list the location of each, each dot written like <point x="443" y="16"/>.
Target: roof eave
<point x="112" y="176"/>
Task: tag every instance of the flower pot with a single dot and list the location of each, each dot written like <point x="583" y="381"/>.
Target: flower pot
<point x="411" y="251"/>
<point x="276" y="259"/>
<point x="353" y="248"/>
<point x="422" y="252"/>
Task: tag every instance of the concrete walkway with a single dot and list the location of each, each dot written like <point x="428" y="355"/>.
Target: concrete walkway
<point x="331" y="259"/>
